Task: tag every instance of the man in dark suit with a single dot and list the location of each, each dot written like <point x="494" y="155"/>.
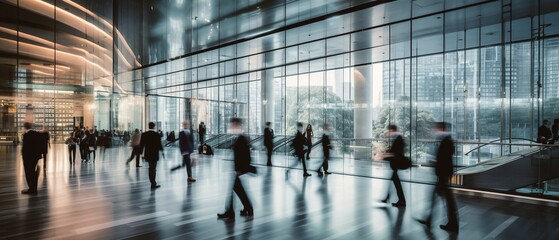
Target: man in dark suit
<point x="544" y="133"/>
<point x="299" y="143"/>
<point x="326" y="147"/>
<point x="241" y="156"/>
<point x="396" y="152"/>
<point x="201" y="132"/>
<point x="186" y="146"/>
<point x="150" y="144"/>
<point x="31" y="153"/>
<point x="444" y="170"/>
<point x="269" y="142"/>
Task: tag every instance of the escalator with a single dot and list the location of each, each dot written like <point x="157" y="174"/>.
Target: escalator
<point x="283" y="144"/>
<point x="214" y="140"/>
<point x="512" y="171"/>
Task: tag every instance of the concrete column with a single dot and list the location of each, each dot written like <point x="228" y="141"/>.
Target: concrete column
<point x="268" y="106"/>
<point x="363" y="116"/>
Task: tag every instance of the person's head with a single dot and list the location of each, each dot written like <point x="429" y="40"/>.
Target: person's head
<point x="327" y="127"/>
<point x="87" y="133"/>
<point x="202" y="123"/>
<point x="235" y="123"/>
<point x="441" y="126"/>
<point x="299" y="124"/>
<point x="556" y="121"/>
<point x="392" y="128"/>
<point x="137" y="131"/>
<point x="27" y="125"/>
<point x="186" y="124"/>
<point x="151" y="125"/>
<point x="545" y="122"/>
<point x="309" y="127"/>
<point x="268" y="124"/>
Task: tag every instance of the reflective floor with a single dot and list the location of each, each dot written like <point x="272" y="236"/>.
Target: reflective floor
<point x="108" y="200"/>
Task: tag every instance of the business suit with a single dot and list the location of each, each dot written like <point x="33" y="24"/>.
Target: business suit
<point x="544" y="134"/>
<point x="326" y="146"/>
<point x="241" y="156"/>
<point x="298" y="144"/>
<point x="31" y="153"/>
<point x="150" y="144"/>
<point x="443" y="170"/>
<point x="269" y="144"/>
<point x="186" y="145"/>
<point x="202" y="133"/>
<point x="397" y="151"/>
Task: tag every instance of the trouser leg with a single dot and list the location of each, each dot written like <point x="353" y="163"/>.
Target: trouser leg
<point x="302" y="159"/>
<point x="269" y="155"/>
<point x="152" y="170"/>
<point x="31" y="175"/>
<point x="398" y="185"/>
<point x="241" y="193"/>
<point x="450" y="205"/>
<point x="188" y="163"/>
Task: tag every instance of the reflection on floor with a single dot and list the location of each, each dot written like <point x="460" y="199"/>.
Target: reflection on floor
<point x="108" y="200"/>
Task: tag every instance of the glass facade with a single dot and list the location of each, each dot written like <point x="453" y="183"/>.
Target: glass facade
<point x="490" y="68"/>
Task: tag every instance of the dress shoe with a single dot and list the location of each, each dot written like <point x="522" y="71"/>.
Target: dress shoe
<point x="29" y="192"/>
<point x="191" y="180"/>
<point x="247" y="213"/>
<point x="155" y="186"/>
<point x="320" y="174"/>
<point x="138" y="166"/>
<point x="226" y="215"/>
<point x="306" y="174"/>
<point x="327" y="173"/>
<point x="426" y="222"/>
<point x="399" y="204"/>
<point x="449" y="228"/>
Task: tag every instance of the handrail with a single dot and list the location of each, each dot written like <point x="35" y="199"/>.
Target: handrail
<point x="500" y="139"/>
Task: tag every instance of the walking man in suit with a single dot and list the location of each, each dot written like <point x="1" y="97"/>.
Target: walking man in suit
<point x="268" y="142"/>
<point x="443" y="170"/>
<point x="299" y="143"/>
<point x="186" y="145"/>
<point x="326" y="147"/>
<point x="150" y="144"/>
<point x="241" y="156"/>
<point x="396" y="152"/>
<point x="31" y="153"/>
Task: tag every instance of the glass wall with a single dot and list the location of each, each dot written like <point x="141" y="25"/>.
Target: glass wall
<point x="473" y="64"/>
<point x="489" y="68"/>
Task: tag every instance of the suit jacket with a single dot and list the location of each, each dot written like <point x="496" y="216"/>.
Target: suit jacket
<point x="241" y="155"/>
<point x="31" y="145"/>
<point x="201" y="129"/>
<point x="543" y="132"/>
<point x="443" y="167"/>
<point x="150" y="144"/>
<point x="299" y="143"/>
<point x="268" y="137"/>
<point x="186" y="142"/>
<point x="397" y="149"/>
<point x="326" y="144"/>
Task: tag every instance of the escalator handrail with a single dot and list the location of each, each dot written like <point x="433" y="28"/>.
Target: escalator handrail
<point x="500" y="139"/>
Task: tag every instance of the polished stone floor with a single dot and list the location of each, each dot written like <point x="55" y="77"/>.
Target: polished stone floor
<point x="108" y="200"/>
